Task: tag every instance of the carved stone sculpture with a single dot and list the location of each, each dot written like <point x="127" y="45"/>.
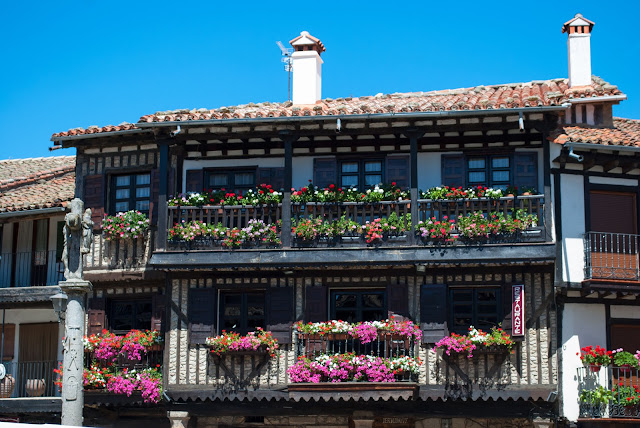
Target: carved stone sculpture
<point x="77" y="239"/>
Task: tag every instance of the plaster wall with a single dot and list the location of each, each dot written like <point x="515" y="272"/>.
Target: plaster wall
<point x="573" y="227"/>
<point x="582" y="325"/>
<point x="579" y="50"/>
<point x="629" y="312"/>
<point x="613" y="181"/>
<point x="307" y="77"/>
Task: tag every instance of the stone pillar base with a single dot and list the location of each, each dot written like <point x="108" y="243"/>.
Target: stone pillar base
<point x="178" y="419"/>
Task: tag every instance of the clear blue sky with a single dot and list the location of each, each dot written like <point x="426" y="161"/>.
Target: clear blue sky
<point x="73" y="63"/>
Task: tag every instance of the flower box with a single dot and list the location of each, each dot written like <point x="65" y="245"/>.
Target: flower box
<point x="333" y="387"/>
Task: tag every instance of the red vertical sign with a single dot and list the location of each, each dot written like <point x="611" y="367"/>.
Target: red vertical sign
<point x="517" y="310"/>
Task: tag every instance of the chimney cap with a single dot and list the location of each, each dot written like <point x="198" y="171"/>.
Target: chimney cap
<point x="578" y="24"/>
<point x="306" y="42"/>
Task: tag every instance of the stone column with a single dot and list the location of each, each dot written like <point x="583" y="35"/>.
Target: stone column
<point x="178" y="419"/>
<point x="542" y="423"/>
<point x="73" y="360"/>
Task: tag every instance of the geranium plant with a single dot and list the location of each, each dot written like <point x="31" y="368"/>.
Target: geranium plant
<point x="125" y="225"/>
<point x="252" y="341"/>
<point x="597" y="356"/>
<point x="366" y="331"/>
<point x="623" y="358"/>
<point x="436" y="230"/>
<point x="476" y="339"/>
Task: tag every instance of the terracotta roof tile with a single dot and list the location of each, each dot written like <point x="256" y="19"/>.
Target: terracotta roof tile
<point x="625" y="132"/>
<point x="513" y="95"/>
<point x="35" y="183"/>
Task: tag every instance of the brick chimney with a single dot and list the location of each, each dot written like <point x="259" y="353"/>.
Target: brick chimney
<point x="579" y="47"/>
<point x="307" y="69"/>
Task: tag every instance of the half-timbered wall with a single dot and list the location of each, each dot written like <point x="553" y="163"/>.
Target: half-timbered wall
<point x="533" y="362"/>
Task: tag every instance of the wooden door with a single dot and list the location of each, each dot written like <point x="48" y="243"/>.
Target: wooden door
<point x="627" y="337"/>
<point x="613" y="235"/>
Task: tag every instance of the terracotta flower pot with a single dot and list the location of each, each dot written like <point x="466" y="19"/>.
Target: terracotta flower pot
<point x="594" y="368"/>
<point x="34" y="387"/>
<point x="6" y="386"/>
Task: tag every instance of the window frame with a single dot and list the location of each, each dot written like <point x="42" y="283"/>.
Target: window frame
<point x="361" y="173"/>
<point x="489" y="169"/>
<point x="230" y="172"/>
<point x="134" y="301"/>
<point x="359" y="306"/>
<point x="132" y="187"/>
<point x="498" y="288"/>
<point x="244" y="316"/>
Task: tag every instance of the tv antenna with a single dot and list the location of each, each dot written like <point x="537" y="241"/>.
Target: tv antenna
<point x="286" y="60"/>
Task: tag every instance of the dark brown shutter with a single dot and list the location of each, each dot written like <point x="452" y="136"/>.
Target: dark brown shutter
<point x="398" y="299"/>
<point x="202" y="314"/>
<point x="453" y="170"/>
<point x="507" y="306"/>
<point x="94" y="198"/>
<point x="525" y="170"/>
<point x="280" y="312"/>
<point x="433" y="312"/>
<point x="8" y="352"/>
<point x="608" y="205"/>
<point x="316" y="304"/>
<point x="97" y="315"/>
<point x="157" y="312"/>
<point x="272" y="176"/>
<point x="325" y="172"/>
<point x="397" y="170"/>
<point x="155" y="191"/>
<point x="625" y="336"/>
<point x="195" y="180"/>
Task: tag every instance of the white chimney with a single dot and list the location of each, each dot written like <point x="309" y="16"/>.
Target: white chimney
<point x="579" y="47"/>
<point x="307" y="69"/>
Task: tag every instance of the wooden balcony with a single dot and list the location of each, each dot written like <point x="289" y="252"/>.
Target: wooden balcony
<point x="124" y="254"/>
<point x="611" y="256"/>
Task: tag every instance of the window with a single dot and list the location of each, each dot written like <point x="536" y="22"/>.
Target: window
<point x="127" y="315"/>
<point x="478" y="307"/>
<point x="491" y="171"/>
<point x="361" y="174"/>
<point x="356" y="306"/>
<point x="237" y="180"/>
<point x="131" y="192"/>
<point x="242" y="312"/>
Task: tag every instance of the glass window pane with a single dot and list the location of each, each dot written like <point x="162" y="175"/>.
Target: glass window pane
<point x="244" y="179"/>
<point x="500" y="176"/>
<point x="347" y="315"/>
<point x="476" y="163"/>
<point x="349" y="181"/>
<point x="372" y="180"/>
<point x="217" y="180"/>
<point x="122" y="206"/>
<point x="487" y="295"/>
<point x="122" y="194"/>
<point x="349" y="166"/>
<point x="462" y="295"/>
<point x="345" y="300"/>
<point x="142" y="205"/>
<point x="372" y="300"/>
<point x="143" y="179"/>
<point x="373" y="166"/>
<point x="477" y="177"/>
<point x="143" y="192"/>
<point x="377" y="315"/>
<point x="462" y="321"/>
<point x="123" y="180"/>
<point x="500" y="162"/>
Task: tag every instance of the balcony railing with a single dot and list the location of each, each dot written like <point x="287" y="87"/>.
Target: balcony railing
<point x="360" y="213"/>
<point x="123" y="254"/>
<point x="611" y="256"/>
<point x="610" y="392"/>
<point x="30" y="379"/>
<point x="31" y="268"/>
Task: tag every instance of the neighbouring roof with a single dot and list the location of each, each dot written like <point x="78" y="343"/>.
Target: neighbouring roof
<point x="35" y="183"/>
<point x="625" y="132"/>
<point x="537" y="93"/>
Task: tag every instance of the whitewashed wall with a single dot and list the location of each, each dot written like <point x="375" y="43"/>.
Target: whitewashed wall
<point x="573" y="227"/>
<point x="582" y="325"/>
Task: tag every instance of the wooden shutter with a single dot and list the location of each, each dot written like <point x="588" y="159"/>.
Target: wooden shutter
<point x="155" y="192"/>
<point x="398" y="299"/>
<point x="97" y="315"/>
<point x="506" y="292"/>
<point x="315" y="304"/>
<point x="272" y="176"/>
<point x="397" y="170"/>
<point x="606" y="206"/>
<point x="195" y="180"/>
<point x="325" y="172"/>
<point x="157" y="312"/>
<point x="8" y="351"/>
<point x="525" y="170"/>
<point x="94" y="198"/>
<point x="202" y="314"/>
<point x="433" y="312"/>
<point x="280" y="313"/>
<point x="453" y="170"/>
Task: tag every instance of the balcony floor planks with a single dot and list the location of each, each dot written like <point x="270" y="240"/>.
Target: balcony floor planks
<point x="513" y="253"/>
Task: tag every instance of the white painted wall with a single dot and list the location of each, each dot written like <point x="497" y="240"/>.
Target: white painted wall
<point x="573" y="227"/>
<point x="307" y="77"/>
<point x="582" y="325"/>
<point x="579" y="50"/>
<point x="615" y="182"/>
<point x="629" y="312"/>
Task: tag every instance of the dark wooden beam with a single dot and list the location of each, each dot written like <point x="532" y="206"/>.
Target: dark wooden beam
<point x="612" y="164"/>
